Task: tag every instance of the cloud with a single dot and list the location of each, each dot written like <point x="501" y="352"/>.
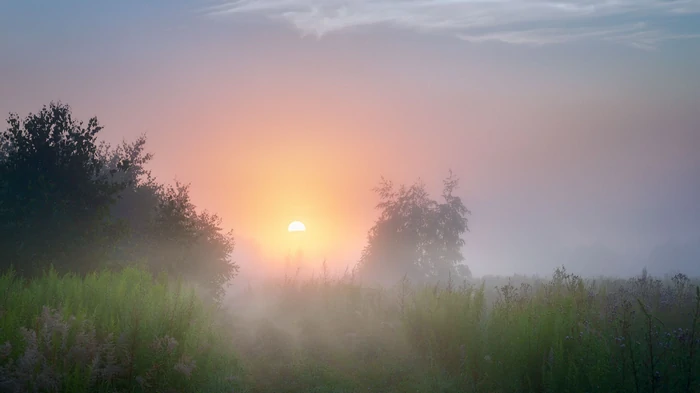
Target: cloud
<point x="635" y="35"/>
<point x="509" y="21"/>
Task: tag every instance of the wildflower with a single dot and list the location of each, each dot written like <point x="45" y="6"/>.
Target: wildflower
<point x="52" y="326"/>
<point x="165" y="344"/>
<point x="85" y="346"/>
<point x="31" y="355"/>
<point x="185" y="365"/>
<point x="105" y="366"/>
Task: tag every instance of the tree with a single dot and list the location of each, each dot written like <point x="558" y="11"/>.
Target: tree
<point x="184" y="242"/>
<point x="137" y="204"/>
<point x="54" y="194"/>
<point x="165" y="233"/>
<point x="416" y="236"/>
<point x="67" y="201"/>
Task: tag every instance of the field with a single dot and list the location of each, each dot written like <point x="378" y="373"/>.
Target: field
<point x="128" y="332"/>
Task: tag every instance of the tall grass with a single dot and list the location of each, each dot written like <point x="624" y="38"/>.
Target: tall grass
<point x="109" y="332"/>
<point x="128" y="332"/>
<point x="562" y="335"/>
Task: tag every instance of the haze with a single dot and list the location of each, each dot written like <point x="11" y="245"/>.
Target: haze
<point x="573" y="126"/>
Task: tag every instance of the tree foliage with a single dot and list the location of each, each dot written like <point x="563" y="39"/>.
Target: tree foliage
<point x="67" y="201"/>
<point x="166" y="233"/>
<point x="54" y="194"/>
<point x="186" y="242"/>
<point x="416" y="236"/>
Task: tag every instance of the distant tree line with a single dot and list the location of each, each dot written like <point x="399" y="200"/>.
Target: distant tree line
<point x="79" y="205"/>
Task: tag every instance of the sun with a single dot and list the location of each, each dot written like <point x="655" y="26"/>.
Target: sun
<point x="296" y="226"/>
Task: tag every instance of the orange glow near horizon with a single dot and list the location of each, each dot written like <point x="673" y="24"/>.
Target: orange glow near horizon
<point x="290" y="147"/>
<point x="277" y="196"/>
<point x="298" y="178"/>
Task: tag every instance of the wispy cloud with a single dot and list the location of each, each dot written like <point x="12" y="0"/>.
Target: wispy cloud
<point x="637" y="35"/>
<point x="510" y="21"/>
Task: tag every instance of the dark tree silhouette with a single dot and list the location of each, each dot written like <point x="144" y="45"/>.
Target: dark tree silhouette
<point x="137" y="205"/>
<point x="67" y="201"/>
<point x="190" y="243"/>
<point x="165" y="231"/>
<point x="54" y="194"/>
<point x="416" y="236"/>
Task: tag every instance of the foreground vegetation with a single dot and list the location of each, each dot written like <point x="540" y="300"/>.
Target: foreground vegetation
<point x="109" y="332"/>
<point x="129" y="332"/>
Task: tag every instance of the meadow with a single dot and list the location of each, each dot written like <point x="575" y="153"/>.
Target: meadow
<point x="128" y="332"/>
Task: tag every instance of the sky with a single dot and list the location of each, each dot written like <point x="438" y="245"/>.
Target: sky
<point x="574" y="126"/>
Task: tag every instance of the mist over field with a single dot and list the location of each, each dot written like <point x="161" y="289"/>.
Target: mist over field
<point x="339" y="196"/>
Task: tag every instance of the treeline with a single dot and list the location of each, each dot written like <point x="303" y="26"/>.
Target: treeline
<point x="70" y="201"/>
<point x="80" y="205"/>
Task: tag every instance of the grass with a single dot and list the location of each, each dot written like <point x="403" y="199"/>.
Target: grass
<point x="109" y="332"/>
<point x="128" y="332"/>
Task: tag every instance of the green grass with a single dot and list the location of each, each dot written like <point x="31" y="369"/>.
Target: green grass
<point x="565" y="335"/>
<point x="116" y="332"/>
<point x="110" y="332"/>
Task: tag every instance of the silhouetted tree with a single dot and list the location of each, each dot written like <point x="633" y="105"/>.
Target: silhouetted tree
<point x="68" y="201"/>
<point x="137" y="203"/>
<point x="416" y="236"/>
<point x="54" y="194"/>
<point x="192" y="244"/>
<point x="165" y="231"/>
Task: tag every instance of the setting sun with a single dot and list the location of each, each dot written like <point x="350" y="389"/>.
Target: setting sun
<point x="296" y="226"/>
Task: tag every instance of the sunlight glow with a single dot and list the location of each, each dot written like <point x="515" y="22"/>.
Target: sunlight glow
<point x="296" y="226"/>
